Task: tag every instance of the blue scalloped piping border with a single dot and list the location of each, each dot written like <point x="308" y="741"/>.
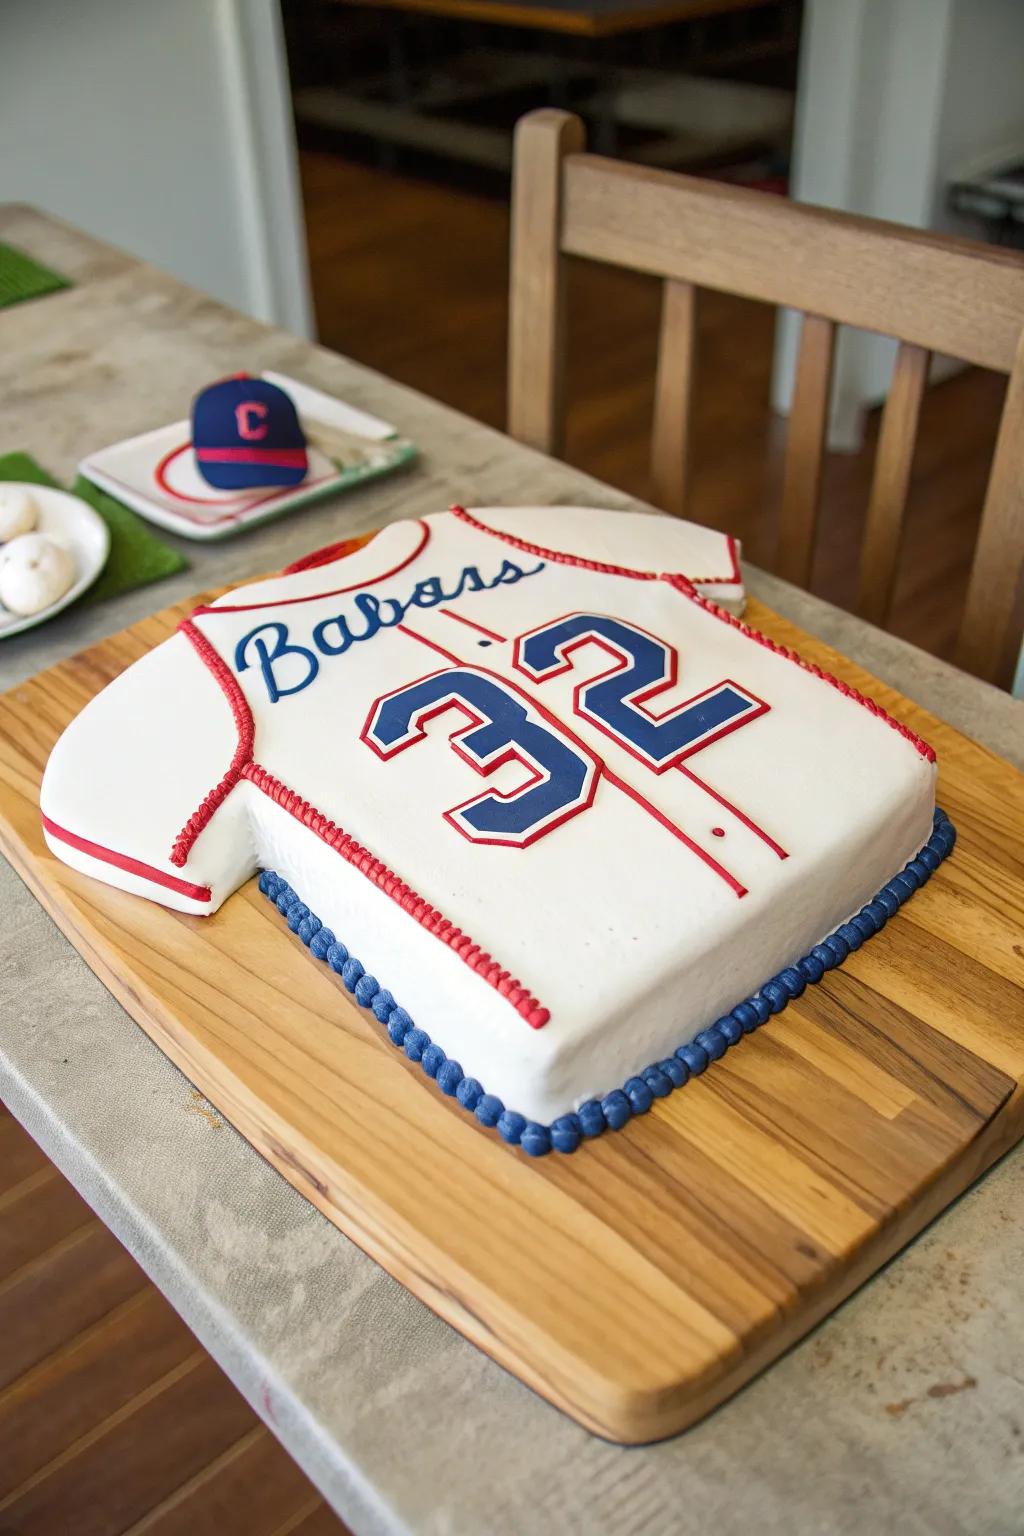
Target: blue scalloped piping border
<point x="638" y="1093"/>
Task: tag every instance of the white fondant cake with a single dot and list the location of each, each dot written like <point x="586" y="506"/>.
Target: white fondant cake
<point x="563" y="806"/>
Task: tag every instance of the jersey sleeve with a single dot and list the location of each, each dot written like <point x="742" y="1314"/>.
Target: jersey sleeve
<point x="132" y="770"/>
<point x="630" y="541"/>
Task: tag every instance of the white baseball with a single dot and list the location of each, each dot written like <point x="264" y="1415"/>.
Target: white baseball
<point x="34" y="572"/>
<point x="18" y="512"/>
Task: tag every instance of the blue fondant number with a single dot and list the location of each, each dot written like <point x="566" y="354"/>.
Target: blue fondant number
<point x="500" y="729"/>
<point x="643" y="667"/>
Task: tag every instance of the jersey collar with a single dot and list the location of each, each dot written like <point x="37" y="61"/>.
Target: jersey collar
<point x="394" y="548"/>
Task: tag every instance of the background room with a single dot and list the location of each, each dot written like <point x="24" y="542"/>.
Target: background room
<point x="386" y="231"/>
<point x="406" y="317"/>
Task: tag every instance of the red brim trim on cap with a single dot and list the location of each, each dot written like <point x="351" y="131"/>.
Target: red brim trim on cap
<point x="282" y="458"/>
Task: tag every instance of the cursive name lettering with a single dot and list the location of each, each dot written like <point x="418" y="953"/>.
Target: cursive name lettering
<point x="288" y="667"/>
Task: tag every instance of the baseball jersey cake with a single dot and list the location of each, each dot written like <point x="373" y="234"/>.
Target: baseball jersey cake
<point x="527" y="782"/>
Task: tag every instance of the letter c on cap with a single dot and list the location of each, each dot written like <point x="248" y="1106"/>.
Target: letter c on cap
<point x="250" y="419"/>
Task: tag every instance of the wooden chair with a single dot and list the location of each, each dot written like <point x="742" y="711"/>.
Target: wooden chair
<point x="932" y="293"/>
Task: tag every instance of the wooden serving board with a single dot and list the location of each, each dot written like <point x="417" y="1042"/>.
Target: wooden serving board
<point x="643" y="1279"/>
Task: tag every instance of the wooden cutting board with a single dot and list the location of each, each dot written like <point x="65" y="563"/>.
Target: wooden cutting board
<point x="643" y="1279"/>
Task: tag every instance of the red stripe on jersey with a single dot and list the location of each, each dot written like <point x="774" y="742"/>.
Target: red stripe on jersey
<point x="676" y="831"/>
<point x="130" y="865"/>
<point x="418" y="908"/>
<point x="740" y="815"/>
<point x="456" y="661"/>
<point x="461" y="619"/>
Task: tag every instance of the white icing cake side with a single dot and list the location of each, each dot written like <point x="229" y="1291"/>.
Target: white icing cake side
<point x="632" y="808"/>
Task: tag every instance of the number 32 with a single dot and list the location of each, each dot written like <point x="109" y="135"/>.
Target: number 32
<point x="503" y="725"/>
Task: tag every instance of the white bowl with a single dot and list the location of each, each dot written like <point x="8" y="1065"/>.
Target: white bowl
<point x="73" y="523"/>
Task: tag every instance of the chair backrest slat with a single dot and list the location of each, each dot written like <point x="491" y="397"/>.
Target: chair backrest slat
<point x="673" y="396"/>
<point x="952" y="296"/>
<point x="805" y="450"/>
<point x="930" y="292"/>
<point x="990" y="630"/>
<point x="891" y="482"/>
<point x="536" y="412"/>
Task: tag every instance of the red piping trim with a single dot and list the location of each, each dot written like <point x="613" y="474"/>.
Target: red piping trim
<point x="385" y="879"/>
<point x="560" y="557"/>
<point x="315" y="597"/>
<point x="734" y="561"/>
<point x="551" y="554"/>
<point x="244" y="726"/>
<point x="122" y="861"/>
<point x="681" y="585"/>
<point x="685" y="586"/>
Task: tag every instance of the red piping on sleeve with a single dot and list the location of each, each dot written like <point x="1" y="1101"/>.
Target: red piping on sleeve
<point x="734" y="560"/>
<point x="556" y="555"/>
<point x="561" y="558"/>
<point x="122" y="861"/>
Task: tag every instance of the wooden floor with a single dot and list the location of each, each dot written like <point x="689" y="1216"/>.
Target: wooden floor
<point x="411" y="278"/>
<point x="113" y="1418"/>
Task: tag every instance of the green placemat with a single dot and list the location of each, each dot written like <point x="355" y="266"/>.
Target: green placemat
<point x="22" y="278"/>
<point x="136" y="557"/>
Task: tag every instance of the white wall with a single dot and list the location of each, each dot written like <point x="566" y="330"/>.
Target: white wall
<point x="983" y="102"/>
<point x="894" y="97"/>
<point x="162" y="126"/>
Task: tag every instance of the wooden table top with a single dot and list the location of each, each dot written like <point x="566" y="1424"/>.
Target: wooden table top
<point x="900" y="1412"/>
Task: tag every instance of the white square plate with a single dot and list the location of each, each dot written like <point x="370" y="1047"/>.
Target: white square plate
<point x="156" y="473"/>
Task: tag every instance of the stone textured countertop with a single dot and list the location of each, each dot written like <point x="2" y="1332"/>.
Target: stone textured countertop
<point x="903" y="1412"/>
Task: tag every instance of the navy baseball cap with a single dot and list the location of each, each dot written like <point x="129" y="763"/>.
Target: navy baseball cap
<point x="246" y="432"/>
